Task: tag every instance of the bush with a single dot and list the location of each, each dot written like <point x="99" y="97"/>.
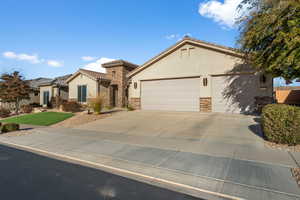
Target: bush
<point x="10" y="127"/>
<point x="26" y="109"/>
<point x="4" y="112"/>
<point x="281" y="123"/>
<point x="97" y="104"/>
<point x="57" y="101"/>
<point x="35" y="105"/>
<point x="71" y="106"/>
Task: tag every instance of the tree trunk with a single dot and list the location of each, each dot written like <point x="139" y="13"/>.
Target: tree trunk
<point x="17" y="106"/>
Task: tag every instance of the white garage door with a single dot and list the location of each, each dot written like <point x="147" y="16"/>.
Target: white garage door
<point x="173" y="94"/>
<point x="234" y="94"/>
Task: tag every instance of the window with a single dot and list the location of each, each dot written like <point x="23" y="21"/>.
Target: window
<point x="36" y="93"/>
<point x="113" y="74"/>
<point x="205" y="81"/>
<point x="46" y="95"/>
<point x="81" y="93"/>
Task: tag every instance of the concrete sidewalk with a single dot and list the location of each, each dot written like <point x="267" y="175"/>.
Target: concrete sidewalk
<point x="217" y="174"/>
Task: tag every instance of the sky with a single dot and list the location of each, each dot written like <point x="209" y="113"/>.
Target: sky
<point x="57" y="37"/>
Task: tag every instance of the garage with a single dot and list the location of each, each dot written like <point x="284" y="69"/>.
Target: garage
<point x="193" y="75"/>
<point x="234" y="93"/>
<point x="171" y="94"/>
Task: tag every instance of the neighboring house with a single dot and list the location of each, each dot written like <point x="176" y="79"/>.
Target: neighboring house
<point x="193" y="75"/>
<point x="288" y="95"/>
<point x="35" y="94"/>
<point x="85" y="85"/>
<point x="52" y="88"/>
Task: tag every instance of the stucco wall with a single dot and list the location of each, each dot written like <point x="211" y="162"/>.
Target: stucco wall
<point x="45" y="88"/>
<point x="81" y="79"/>
<point x="188" y="61"/>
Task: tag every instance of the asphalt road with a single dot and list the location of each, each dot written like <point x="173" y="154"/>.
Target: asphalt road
<point x="24" y="175"/>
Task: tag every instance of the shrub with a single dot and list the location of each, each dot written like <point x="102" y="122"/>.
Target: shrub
<point x="26" y="109"/>
<point x="57" y="101"/>
<point x="10" y="127"/>
<point x="71" y="106"/>
<point x="35" y="105"/>
<point x="281" y="123"/>
<point x="97" y="104"/>
<point x="4" y="112"/>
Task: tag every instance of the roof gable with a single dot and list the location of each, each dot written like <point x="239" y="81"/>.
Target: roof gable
<point x="184" y="41"/>
<point x="90" y="74"/>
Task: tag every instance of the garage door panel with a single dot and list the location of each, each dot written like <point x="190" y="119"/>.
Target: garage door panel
<point x="174" y="94"/>
<point x="234" y="94"/>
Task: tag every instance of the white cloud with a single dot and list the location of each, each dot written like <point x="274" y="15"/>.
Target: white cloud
<point x="97" y="65"/>
<point x="223" y="13"/>
<point x="88" y="58"/>
<point x="172" y="36"/>
<point x="34" y="58"/>
<point x="26" y="57"/>
<point x="177" y="36"/>
<point x="54" y="63"/>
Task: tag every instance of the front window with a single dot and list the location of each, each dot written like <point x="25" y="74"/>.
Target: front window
<point x="81" y="93"/>
<point x="46" y="97"/>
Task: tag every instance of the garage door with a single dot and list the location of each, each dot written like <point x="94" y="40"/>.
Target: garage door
<point x="173" y="94"/>
<point x="234" y="94"/>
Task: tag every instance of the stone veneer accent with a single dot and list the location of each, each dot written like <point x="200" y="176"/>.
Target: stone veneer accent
<point x="205" y="104"/>
<point x="135" y="103"/>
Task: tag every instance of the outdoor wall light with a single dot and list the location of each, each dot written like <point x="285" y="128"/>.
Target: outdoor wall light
<point x="205" y="81"/>
<point x="135" y="85"/>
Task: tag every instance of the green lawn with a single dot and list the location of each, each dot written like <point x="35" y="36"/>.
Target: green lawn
<point x="42" y="119"/>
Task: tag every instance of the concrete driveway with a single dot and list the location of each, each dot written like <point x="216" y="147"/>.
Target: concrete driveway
<point x="226" y="135"/>
<point x="221" y="153"/>
<point x="188" y="125"/>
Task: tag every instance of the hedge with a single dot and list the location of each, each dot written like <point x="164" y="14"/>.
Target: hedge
<point x="281" y="123"/>
<point x="10" y="127"/>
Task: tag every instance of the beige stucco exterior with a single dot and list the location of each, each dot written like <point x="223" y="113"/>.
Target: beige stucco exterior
<point x="42" y="90"/>
<point x="194" y="61"/>
<point x="53" y="92"/>
<point x="81" y="79"/>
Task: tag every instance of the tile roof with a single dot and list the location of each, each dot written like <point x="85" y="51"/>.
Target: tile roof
<point x="120" y="62"/>
<point x="287" y="88"/>
<point x="59" y="81"/>
<point x="35" y="83"/>
<point x="96" y="75"/>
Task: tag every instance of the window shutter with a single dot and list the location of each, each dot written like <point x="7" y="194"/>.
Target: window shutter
<point x="79" y="93"/>
<point x="84" y="91"/>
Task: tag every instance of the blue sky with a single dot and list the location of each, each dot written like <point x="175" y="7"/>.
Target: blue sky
<point x="52" y="38"/>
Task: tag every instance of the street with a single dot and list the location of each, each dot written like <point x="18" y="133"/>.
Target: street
<point x="24" y="175"/>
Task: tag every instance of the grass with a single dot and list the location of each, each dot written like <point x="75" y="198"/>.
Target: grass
<point x="41" y="119"/>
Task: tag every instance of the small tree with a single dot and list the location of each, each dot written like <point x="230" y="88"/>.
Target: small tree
<point x="13" y="89"/>
<point x="270" y="36"/>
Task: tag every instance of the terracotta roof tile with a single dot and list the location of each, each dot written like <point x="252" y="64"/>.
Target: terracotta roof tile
<point x="96" y="75"/>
